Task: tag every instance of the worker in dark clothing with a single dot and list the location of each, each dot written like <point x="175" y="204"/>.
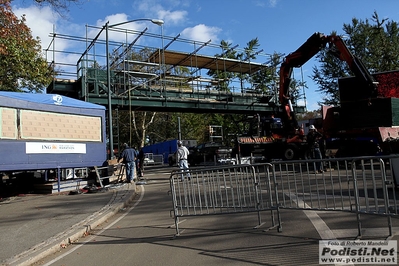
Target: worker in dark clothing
<point x="313" y="139"/>
<point x="128" y="157"/>
<point x="140" y="163"/>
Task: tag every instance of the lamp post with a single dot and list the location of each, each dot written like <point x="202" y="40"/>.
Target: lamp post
<point x="107" y="26"/>
<point x="163" y="71"/>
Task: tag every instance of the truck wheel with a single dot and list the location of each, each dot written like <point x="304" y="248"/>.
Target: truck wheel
<point x="290" y="152"/>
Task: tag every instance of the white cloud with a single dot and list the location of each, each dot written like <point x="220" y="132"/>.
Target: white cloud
<point x="120" y="36"/>
<point x="144" y="6"/>
<point x="113" y="19"/>
<point x="172" y="17"/>
<point x="151" y="9"/>
<point x="202" y="33"/>
<point x="270" y="3"/>
<point x="39" y="20"/>
<point x="43" y="21"/>
<point x="273" y="3"/>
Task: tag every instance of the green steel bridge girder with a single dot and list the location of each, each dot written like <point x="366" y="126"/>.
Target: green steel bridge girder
<point x="185" y="105"/>
<point x="170" y="100"/>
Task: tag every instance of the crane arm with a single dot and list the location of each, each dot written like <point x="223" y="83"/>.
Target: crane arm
<point x="310" y="48"/>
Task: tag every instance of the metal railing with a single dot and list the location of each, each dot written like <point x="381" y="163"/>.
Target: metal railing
<point x="214" y="190"/>
<point x="363" y="185"/>
<point x="114" y="171"/>
<point x="153" y="159"/>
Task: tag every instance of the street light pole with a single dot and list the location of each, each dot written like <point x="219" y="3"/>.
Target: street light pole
<point x="107" y="26"/>
<point x="163" y="62"/>
<point x="110" y="129"/>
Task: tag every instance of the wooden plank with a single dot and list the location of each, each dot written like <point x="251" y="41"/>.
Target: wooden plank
<point x="65" y="186"/>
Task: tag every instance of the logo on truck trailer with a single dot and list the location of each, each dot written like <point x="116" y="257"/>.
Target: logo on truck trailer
<point x="40" y="147"/>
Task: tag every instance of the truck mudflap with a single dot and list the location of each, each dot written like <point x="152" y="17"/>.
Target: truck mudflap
<point x="255" y="140"/>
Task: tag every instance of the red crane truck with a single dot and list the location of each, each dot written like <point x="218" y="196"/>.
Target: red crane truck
<point x="279" y="136"/>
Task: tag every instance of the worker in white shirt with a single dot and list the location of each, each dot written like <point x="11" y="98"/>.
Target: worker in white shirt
<point x="182" y="156"/>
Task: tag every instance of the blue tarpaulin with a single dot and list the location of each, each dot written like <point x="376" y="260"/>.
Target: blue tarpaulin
<point x="50" y="99"/>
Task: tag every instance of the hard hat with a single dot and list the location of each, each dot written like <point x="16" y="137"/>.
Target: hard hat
<point x="312" y="127"/>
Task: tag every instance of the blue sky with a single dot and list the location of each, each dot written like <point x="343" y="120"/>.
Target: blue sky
<point x="280" y="25"/>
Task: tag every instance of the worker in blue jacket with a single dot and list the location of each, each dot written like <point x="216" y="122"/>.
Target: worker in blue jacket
<point x="128" y="156"/>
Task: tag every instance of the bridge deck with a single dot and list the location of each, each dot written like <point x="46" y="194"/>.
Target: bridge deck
<point x="168" y="98"/>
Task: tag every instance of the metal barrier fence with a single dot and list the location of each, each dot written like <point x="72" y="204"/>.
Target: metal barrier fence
<point x="364" y="185"/>
<point x="213" y="190"/>
<point x="153" y="159"/>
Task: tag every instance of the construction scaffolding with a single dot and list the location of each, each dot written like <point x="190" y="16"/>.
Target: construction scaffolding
<point x="200" y="72"/>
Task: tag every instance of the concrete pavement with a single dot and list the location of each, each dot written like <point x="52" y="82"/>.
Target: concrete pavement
<point x="34" y="226"/>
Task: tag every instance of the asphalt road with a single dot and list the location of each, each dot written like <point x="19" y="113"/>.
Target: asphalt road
<point x="144" y="234"/>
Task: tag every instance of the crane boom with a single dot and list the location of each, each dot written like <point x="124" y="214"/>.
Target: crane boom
<point x="306" y="51"/>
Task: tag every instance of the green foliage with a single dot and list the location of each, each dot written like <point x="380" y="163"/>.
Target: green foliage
<point x="193" y="126"/>
<point x="374" y="41"/>
<point x="266" y="80"/>
<point x="249" y="54"/>
<point x="22" y="65"/>
<point x="309" y="115"/>
<point x="221" y="75"/>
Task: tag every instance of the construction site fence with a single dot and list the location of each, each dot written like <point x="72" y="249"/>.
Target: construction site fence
<point x="362" y="185"/>
<point x="153" y="159"/>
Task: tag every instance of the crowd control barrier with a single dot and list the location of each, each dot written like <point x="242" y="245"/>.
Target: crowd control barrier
<point x="362" y="185"/>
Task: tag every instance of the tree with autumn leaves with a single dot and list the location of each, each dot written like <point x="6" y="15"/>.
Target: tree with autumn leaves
<point x="22" y="65"/>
